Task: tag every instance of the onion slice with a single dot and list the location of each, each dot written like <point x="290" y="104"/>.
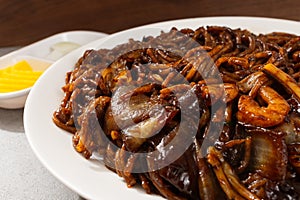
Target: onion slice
<point x="285" y="79"/>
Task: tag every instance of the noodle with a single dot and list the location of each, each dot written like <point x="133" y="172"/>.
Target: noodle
<point x="218" y="89"/>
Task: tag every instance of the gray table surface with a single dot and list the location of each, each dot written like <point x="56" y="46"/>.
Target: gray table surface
<point x="22" y="176"/>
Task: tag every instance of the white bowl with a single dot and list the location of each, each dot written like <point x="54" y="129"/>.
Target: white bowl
<point x="53" y="146"/>
<point x="36" y="55"/>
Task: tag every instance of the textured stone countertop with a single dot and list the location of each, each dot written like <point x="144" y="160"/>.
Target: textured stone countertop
<point x="22" y="176"/>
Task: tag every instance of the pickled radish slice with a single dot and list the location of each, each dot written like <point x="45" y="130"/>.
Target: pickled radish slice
<point x="18" y="77"/>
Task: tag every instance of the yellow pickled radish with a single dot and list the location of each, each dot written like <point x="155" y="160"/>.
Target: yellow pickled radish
<point x="18" y="77"/>
<point x="22" y="66"/>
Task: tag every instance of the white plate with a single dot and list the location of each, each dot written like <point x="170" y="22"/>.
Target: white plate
<point x="36" y="55"/>
<point x="53" y="146"/>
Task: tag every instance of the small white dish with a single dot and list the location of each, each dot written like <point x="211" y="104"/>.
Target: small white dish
<point x="37" y="55"/>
